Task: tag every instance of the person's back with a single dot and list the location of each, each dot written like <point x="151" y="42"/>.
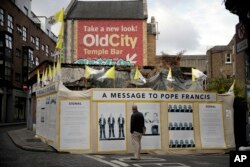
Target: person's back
<point x="137" y="122"/>
<point x="136" y="130"/>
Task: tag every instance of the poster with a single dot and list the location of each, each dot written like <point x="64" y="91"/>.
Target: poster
<point x="75" y="124"/>
<point x="211" y="126"/>
<point x="152" y="138"/>
<point x="180" y="125"/>
<point x="51" y="113"/>
<point x="109" y="42"/>
<point x="111" y="120"/>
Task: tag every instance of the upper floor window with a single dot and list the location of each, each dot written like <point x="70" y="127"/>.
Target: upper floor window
<point x="19" y="30"/>
<point x="18" y="53"/>
<point x="32" y="39"/>
<point x="42" y="46"/>
<point x="31" y="59"/>
<point x="10" y="23"/>
<point x="1" y="17"/>
<point x="37" y="61"/>
<point x="24" y="33"/>
<point x="17" y="77"/>
<point x="8" y="41"/>
<point x="47" y="50"/>
<point x="228" y="58"/>
<point x="37" y="43"/>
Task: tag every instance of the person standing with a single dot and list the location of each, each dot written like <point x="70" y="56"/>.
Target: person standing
<point x="136" y="130"/>
<point x="102" y="123"/>
<point x="111" y="122"/>
<point x="121" y="126"/>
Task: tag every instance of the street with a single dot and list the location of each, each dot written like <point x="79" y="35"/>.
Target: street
<point x="10" y="155"/>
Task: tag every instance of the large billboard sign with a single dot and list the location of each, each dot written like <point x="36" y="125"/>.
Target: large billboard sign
<point x="110" y="42"/>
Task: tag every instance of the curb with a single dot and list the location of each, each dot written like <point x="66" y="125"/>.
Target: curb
<point x="12" y="124"/>
<point x="20" y="140"/>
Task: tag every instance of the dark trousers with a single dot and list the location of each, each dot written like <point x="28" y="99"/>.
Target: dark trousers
<point x="111" y="130"/>
<point x="102" y="132"/>
<point x="121" y="131"/>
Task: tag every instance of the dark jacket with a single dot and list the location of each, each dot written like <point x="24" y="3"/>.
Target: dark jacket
<point x="136" y="122"/>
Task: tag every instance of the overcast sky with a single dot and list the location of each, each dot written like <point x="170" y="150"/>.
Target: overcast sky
<point x="191" y="25"/>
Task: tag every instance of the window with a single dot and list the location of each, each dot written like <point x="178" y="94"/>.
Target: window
<point x="1" y="17"/>
<point x="18" y="53"/>
<point x="47" y="50"/>
<point x="24" y="34"/>
<point x="8" y="41"/>
<point x="37" y="43"/>
<point x="42" y="46"/>
<point x="17" y="77"/>
<point x="7" y="71"/>
<point x="32" y="39"/>
<point x="19" y="30"/>
<point x="31" y="59"/>
<point x="10" y="24"/>
<point x="37" y="61"/>
<point x="228" y="58"/>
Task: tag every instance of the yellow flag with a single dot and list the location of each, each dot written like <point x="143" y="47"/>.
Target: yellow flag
<point x="197" y="74"/>
<point x="138" y="75"/>
<point x="109" y="74"/>
<point x="38" y="77"/>
<point x="57" y="17"/>
<point x="43" y="78"/>
<point x="54" y="70"/>
<point x="170" y="77"/>
<point x="46" y="75"/>
<point x="50" y="73"/>
<point x="59" y="43"/>
<point x="231" y="89"/>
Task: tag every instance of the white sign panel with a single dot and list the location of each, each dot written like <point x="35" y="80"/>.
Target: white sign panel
<point x="211" y="126"/>
<point x="103" y="95"/>
<point x="180" y="125"/>
<point x="111" y="127"/>
<point x="75" y="124"/>
<point x="152" y="138"/>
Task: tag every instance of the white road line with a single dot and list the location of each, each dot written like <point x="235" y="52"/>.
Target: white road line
<point x="102" y="161"/>
<point x="120" y="163"/>
<point x="100" y="156"/>
<point x="143" y="159"/>
<point x="161" y="164"/>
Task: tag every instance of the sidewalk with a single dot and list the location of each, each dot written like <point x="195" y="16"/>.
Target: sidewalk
<point x="26" y="140"/>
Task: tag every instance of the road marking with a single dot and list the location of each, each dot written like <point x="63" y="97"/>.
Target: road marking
<point x="102" y="161"/>
<point x="100" y="156"/>
<point x="120" y="163"/>
<point x="143" y="159"/>
<point x="161" y="164"/>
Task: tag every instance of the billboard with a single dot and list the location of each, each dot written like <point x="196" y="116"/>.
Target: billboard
<point x="110" y="42"/>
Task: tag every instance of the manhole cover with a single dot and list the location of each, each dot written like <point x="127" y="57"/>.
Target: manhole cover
<point x="33" y="140"/>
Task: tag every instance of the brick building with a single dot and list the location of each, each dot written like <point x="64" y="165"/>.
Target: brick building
<point x="23" y="45"/>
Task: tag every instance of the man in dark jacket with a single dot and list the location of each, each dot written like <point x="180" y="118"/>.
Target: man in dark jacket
<point x="136" y="130"/>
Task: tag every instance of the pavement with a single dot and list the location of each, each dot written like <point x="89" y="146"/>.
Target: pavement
<point x="26" y="139"/>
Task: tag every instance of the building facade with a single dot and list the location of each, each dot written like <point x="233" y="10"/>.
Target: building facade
<point x="108" y="33"/>
<point x="23" y="45"/>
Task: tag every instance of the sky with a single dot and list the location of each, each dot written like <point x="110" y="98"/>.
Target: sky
<point x="193" y="26"/>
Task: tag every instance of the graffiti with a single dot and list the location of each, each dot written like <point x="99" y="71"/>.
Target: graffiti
<point x="101" y="61"/>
